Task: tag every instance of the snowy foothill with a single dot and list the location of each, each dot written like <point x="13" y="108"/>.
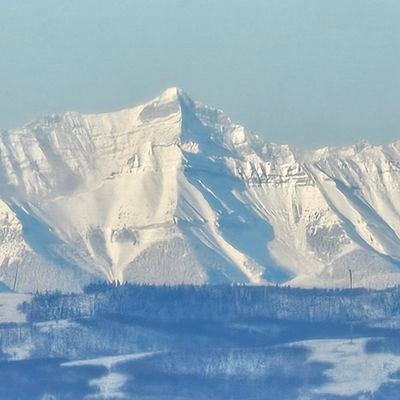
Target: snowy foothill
<point x="122" y="341"/>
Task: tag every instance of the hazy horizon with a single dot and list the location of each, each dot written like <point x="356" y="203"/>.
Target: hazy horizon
<point x="306" y="73"/>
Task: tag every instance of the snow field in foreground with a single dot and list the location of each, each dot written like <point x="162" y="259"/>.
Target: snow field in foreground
<point x="354" y="371"/>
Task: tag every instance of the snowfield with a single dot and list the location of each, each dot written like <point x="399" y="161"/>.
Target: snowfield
<point x="110" y="385"/>
<point x="173" y="191"/>
<point x="353" y="371"/>
<point x="9" y="303"/>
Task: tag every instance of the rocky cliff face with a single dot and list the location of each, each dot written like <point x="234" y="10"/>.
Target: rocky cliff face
<point x="173" y="191"/>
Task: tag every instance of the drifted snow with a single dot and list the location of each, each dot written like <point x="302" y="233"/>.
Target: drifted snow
<point x="173" y="191"/>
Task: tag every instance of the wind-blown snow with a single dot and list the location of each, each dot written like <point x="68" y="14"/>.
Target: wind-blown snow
<point x="173" y="191"/>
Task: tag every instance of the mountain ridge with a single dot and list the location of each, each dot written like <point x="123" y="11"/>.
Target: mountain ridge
<point x="173" y="191"/>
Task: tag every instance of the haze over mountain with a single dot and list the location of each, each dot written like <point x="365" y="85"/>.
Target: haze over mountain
<point x="173" y="191"/>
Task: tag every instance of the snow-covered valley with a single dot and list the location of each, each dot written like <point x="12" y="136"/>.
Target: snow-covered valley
<point x="173" y="191"/>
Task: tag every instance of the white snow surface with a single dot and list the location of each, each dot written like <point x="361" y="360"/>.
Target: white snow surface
<point x="353" y="372"/>
<point x="9" y="311"/>
<point x="173" y="191"/>
<point x="109" y="386"/>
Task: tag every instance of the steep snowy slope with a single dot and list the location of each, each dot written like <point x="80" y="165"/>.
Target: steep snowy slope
<point x="173" y="191"/>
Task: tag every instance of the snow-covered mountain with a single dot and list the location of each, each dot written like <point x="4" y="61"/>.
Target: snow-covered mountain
<point x="173" y="191"/>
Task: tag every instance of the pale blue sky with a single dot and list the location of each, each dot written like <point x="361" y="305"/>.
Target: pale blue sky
<point x="304" y="72"/>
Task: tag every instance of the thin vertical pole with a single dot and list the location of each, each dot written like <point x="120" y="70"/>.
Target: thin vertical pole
<point x="351" y="305"/>
<point x="351" y="278"/>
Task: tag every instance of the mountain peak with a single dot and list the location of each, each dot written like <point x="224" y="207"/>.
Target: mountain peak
<point x="174" y="94"/>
